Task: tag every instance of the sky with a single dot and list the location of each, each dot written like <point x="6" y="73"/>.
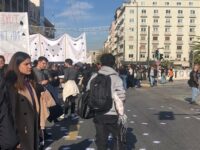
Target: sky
<point x="74" y="16"/>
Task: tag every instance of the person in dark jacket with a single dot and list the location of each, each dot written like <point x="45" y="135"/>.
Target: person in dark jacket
<point x="195" y="85"/>
<point x="8" y="134"/>
<point x="3" y="67"/>
<point x="25" y="107"/>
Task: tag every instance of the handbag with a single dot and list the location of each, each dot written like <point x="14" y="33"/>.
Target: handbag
<point x="83" y="110"/>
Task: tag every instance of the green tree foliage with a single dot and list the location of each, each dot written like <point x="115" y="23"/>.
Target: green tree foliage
<point x="196" y="48"/>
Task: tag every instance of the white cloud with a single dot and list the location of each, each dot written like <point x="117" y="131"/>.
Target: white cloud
<point x="77" y="10"/>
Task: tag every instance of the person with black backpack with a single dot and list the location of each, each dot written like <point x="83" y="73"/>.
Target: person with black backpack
<point x="106" y="98"/>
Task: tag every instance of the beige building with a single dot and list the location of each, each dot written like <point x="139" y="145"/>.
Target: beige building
<point x="172" y="24"/>
<point x="95" y="55"/>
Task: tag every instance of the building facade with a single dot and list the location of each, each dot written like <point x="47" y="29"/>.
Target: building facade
<point x="35" y="8"/>
<point x="143" y="26"/>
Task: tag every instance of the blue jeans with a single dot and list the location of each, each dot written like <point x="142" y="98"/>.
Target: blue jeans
<point x="124" y="79"/>
<point x="152" y="80"/>
<point x="195" y="94"/>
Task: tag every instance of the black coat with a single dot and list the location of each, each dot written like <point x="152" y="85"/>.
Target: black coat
<point x="25" y="117"/>
<point x="8" y="134"/>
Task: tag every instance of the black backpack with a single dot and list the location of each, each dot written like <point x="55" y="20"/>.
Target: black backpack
<point x="100" y="97"/>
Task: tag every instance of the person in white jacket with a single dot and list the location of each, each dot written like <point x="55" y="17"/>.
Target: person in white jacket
<point x="108" y="123"/>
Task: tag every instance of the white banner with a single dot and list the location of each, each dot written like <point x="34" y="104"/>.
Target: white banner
<point x="58" y="50"/>
<point x="14" y="34"/>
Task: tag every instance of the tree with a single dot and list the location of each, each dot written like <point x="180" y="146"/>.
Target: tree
<point x="166" y="63"/>
<point x="196" y="51"/>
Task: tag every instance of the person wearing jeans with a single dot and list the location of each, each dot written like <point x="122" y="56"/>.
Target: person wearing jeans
<point x="194" y="84"/>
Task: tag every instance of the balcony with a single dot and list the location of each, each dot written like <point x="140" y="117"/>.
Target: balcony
<point x="155" y="42"/>
<point x="168" y="33"/>
<point x="180" y="25"/>
<point x="155" y="33"/>
<point x="167" y="42"/>
<point x="168" y="24"/>
<point x="192" y="33"/>
<point x="180" y="16"/>
<point x="193" y="25"/>
<point x="179" y="42"/>
<point x="143" y="16"/>
<point x="168" y="16"/>
<point x="156" y="16"/>
<point x="143" y="41"/>
<point x="180" y="34"/>
<point x="192" y="15"/>
<point x="143" y="33"/>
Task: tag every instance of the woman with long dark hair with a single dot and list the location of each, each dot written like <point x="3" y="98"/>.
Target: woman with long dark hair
<point x="25" y="107"/>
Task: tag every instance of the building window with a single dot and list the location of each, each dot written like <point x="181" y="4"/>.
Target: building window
<point x="130" y="55"/>
<point x="130" y="46"/>
<point x="166" y="55"/>
<point x="192" y="12"/>
<point x="178" y="3"/>
<point x="179" y="38"/>
<point x="154" y="3"/>
<point x="142" y="47"/>
<point x="191" y="29"/>
<point x="155" y="38"/>
<point x="178" y="55"/>
<point x="143" y="29"/>
<point x="192" y="20"/>
<point x="143" y="38"/>
<point x="167" y="20"/>
<point x="179" y="47"/>
<point x="132" y="11"/>
<point x="142" y="55"/>
<point x="131" y="29"/>
<point x="167" y="3"/>
<point x="191" y="3"/>
<point x="167" y="29"/>
<point x="191" y="39"/>
<point x="131" y="38"/>
<point x="143" y="20"/>
<point x="180" y="12"/>
<point x="143" y="11"/>
<point x="142" y="3"/>
<point x="155" y="11"/>
<point x="168" y="11"/>
<point x="180" y="30"/>
<point x="167" y="38"/>
<point x="121" y="46"/>
<point x="155" y="29"/>
<point x="180" y="21"/>
<point x="167" y="47"/>
<point x="131" y="20"/>
<point x="155" y="20"/>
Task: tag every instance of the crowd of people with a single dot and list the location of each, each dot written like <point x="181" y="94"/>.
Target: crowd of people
<point x="29" y="97"/>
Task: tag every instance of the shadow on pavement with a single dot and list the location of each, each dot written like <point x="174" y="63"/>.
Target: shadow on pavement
<point x="166" y="115"/>
<point x="131" y="139"/>
<point x="61" y="129"/>
<point x="188" y="99"/>
<point x="77" y="146"/>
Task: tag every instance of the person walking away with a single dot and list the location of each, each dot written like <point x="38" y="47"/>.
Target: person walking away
<point x="25" y="107"/>
<point x="108" y="123"/>
<point x="163" y="78"/>
<point x="123" y="74"/>
<point x="171" y="74"/>
<point x="70" y="90"/>
<point x="194" y="84"/>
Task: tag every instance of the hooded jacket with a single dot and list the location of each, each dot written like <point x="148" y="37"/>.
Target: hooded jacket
<point x="117" y="89"/>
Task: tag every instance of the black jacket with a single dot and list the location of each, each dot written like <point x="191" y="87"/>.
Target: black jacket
<point x="194" y="79"/>
<point x="8" y="133"/>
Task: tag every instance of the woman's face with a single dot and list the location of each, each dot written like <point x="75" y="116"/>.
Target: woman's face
<point x="25" y="66"/>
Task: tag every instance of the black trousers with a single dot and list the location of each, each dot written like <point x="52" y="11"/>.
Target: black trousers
<point x="70" y="103"/>
<point x="105" y="125"/>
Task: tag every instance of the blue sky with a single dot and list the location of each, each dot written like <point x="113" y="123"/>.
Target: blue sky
<point x="77" y="14"/>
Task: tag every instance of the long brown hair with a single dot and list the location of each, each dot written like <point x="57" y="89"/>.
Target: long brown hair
<point x="15" y="61"/>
